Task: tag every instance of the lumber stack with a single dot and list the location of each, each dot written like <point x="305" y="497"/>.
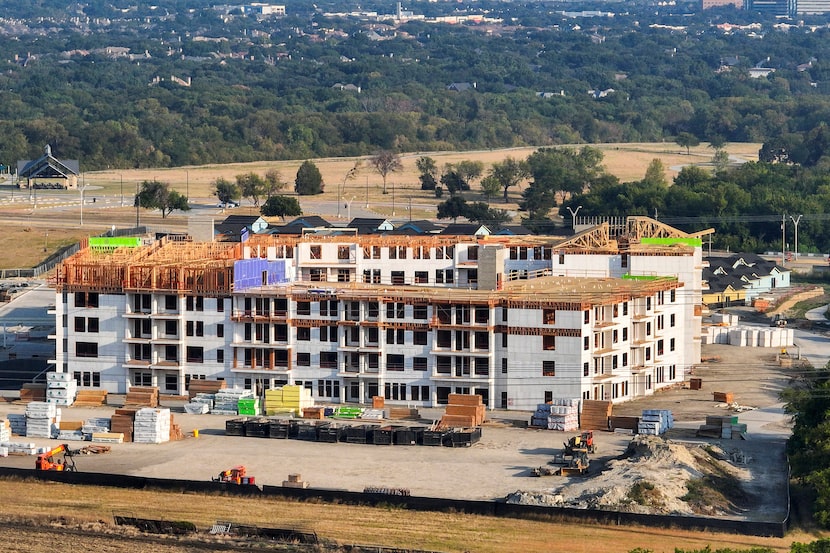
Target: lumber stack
<point x="33" y="392"/>
<point x="463" y="411"/>
<point x="70" y="431"/>
<point x="42" y="419"/>
<point x="314" y="413"/>
<point x="198" y="386"/>
<point x="91" y="398"/>
<point x="403" y="413"/>
<point x="122" y="422"/>
<point x="176" y="433"/>
<point x="723" y="397"/>
<point x="595" y="414"/>
<point x="151" y="426"/>
<point x="142" y="396"/>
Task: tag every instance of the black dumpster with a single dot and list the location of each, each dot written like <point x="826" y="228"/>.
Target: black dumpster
<point x="257" y="428"/>
<point x="360" y="434"/>
<point x="330" y="433"/>
<point x="278" y="429"/>
<point x="307" y="432"/>
<point x="435" y="437"/>
<point x="235" y="427"/>
<point x="383" y="435"/>
<point x="409" y="435"/>
<point x="464" y="437"/>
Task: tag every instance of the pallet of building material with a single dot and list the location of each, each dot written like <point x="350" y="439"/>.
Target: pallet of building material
<point x="347" y="412"/>
<point x="465" y="399"/>
<point x="122" y="422"/>
<point x="372" y="414"/>
<point x="20" y="448"/>
<point x="248" y="407"/>
<point x="5" y="430"/>
<point x="142" y="396"/>
<point x="563" y="423"/>
<point x="151" y="425"/>
<point x="313" y="412"/>
<point x="193" y="408"/>
<point x="71" y="436"/>
<point x="96" y="424"/>
<point x="457" y="421"/>
<point x="403" y="413"/>
<point x="197" y="386"/>
<point x="618" y="422"/>
<point x="90" y="398"/>
<point x="108" y="438"/>
<point x="17" y="423"/>
<point x="475" y="411"/>
<point x="723" y="397"/>
<point x="32" y="392"/>
<point x="595" y="414"/>
<point x="176" y="433"/>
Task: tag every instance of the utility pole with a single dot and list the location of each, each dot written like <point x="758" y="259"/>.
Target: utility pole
<point x="784" y="239"/>
<point x="796" y="220"/>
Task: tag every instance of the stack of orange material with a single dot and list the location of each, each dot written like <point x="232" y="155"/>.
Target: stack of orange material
<point x="33" y="392"/>
<point x="403" y="413"/>
<point x="463" y="410"/>
<point x="90" y="398"/>
<point x="122" y="422"/>
<point x="198" y="386"/>
<point x="595" y="415"/>
<point x="314" y="412"/>
<point x="175" y="430"/>
<point x="142" y="396"/>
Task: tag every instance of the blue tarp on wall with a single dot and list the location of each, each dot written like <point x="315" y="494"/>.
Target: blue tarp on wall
<point x="248" y="273"/>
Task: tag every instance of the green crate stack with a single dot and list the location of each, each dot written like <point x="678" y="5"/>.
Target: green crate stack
<point x="248" y="407"/>
<point x="346" y="412"/>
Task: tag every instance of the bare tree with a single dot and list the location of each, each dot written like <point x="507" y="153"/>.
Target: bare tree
<point x="385" y="162"/>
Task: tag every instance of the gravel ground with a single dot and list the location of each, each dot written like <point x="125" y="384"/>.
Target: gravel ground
<point x="493" y="468"/>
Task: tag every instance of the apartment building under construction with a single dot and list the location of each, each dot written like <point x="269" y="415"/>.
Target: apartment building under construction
<point x="610" y="313"/>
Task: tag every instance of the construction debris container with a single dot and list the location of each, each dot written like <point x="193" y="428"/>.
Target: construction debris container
<point x="278" y="429"/>
<point x="359" y="434"/>
<point x="695" y="383"/>
<point x="330" y="433"/>
<point x="383" y="435"/>
<point x="307" y="432"/>
<point x="257" y="428"/>
<point x="235" y="427"/>
<point x="464" y="437"/>
<point x="409" y="435"/>
<point x="435" y="437"/>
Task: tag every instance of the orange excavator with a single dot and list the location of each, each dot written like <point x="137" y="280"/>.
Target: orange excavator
<point x="60" y="458"/>
<point x="235" y="475"/>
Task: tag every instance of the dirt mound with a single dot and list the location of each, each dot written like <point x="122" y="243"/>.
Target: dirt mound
<point x="654" y="476"/>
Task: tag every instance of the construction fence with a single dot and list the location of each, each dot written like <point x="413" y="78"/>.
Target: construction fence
<point x="487" y="508"/>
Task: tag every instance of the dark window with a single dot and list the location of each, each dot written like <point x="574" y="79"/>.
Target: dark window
<point x="419" y="364"/>
<point x="548" y="368"/>
<point x="398" y="277"/>
<point x="303" y="359"/>
<point x="195" y="354"/>
<point x="328" y="360"/>
<point x="170" y="303"/>
<point x="419" y="338"/>
<point x="220" y="356"/>
<point x="303" y="308"/>
<point x="472" y="253"/>
<point x="304" y="334"/>
<point x="419" y="312"/>
<point x="586" y="368"/>
<point x="548" y="343"/>
<point x="504" y="365"/>
<point x="80" y="324"/>
<point x="171" y="328"/>
<point x="220" y="330"/>
<point x="421" y="277"/>
<point x="86" y="349"/>
<point x="394" y="362"/>
<point x="482" y="366"/>
<point x="171" y="353"/>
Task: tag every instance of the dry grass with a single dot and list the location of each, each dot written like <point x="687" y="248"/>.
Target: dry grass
<point x="24" y="240"/>
<point x="354" y="524"/>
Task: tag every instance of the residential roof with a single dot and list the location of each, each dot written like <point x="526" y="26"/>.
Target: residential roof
<point x="246" y="220"/>
<point x="367" y="225"/>
<point x="309" y="221"/>
<point x="466" y="229"/>
<point x="421" y="226"/>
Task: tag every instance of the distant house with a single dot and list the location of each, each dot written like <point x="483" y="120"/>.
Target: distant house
<point x="230" y="233"/>
<point x="370" y="226"/>
<point x="601" y="93"/>
<point x="254" y="223"/>
<point x="422" y="226"/>
<point x="346" y="87"/>
<point x="512" y="230"/>
<point x="461" y="87"/>
<point x="550" y="94"/>
<point x="300" y="224"/>
<point x="47" y="171"/>
<point x="466" y="229"/>
<point x="742" y="278"/>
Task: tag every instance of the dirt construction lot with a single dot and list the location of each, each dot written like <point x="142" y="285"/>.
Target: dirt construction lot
<point x="497" y="466"/>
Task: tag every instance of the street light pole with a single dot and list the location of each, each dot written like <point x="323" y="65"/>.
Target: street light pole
<point x="573" y="213"/>
<point x="784" y="239"/>
<point x="796" y="220"/>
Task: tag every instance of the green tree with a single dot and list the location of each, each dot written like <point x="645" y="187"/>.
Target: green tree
<point x="385" y="162"/>
<point x="427" y="169"/>
<point x="453" y="208"/>
<point x="451" y="180"/>
<point x="308" y="181"/>
<point x="251" y="186"/>
<point x="687" y="140"/>
<point x="274" y="182"/>
<point x="281" y="206"/>
<point x="559" y="172"/>
<point x="480" y="212"/>
<point x="656" y="173"/>
<point x="509" y="173"/>
<point x="468" y="171"/>
<point x="720" y="160"/>
<point x="225" y="190"/>
<point x="490" y="186"/>
<point x="158" y="195"/>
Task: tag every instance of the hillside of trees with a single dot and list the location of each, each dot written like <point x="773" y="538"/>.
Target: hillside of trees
<point x="273" y="88"/>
